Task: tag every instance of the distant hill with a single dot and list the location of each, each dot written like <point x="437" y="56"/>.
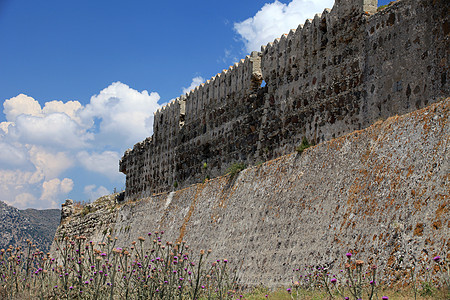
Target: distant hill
<point x="16" y="226"/>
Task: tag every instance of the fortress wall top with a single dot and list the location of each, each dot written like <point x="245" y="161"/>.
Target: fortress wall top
<point x="234" y="80"/>
<point x="336" y="73"/>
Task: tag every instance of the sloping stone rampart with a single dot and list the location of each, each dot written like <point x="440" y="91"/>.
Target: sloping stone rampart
<point x="381" y="192"/>
<point x="336" y="73"/>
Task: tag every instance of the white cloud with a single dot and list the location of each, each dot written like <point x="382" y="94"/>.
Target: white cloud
<point x="276" y="18"/>
<point x="106" y="163"/>
<point x="54" y="190"/>
<point x="51" y="164"/>
<point x="21" y="104"/>
<point x="16" y="184"/>
<point x="196" y="81"/>
<point x="55" y="130"/>
<point x="4" y="128"/>
<point x="125" y="115"/>
<point x="39" y="144"/>
<point x="93" y="193"/>
<point x="13" y="156"/>
<point x="70" y="108"/>
<point x="18" y="178"/>
<point x="24" y="200"/>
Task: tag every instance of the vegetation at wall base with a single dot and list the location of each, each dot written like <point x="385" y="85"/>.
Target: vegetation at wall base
<point x="83" y="269"/>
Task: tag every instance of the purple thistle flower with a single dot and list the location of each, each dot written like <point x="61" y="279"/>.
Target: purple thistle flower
<point x="385" y="298"/>
<point x="348" y="254"/>
<point x="288" y="290"/>
<point x="333" y="280"/>
<point x="437" y="258"/>
<point x="70" y="287"/>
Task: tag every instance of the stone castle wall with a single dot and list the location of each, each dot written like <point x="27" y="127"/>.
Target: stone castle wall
<point x="381" y="193"/>
<point x="337" y="73"/>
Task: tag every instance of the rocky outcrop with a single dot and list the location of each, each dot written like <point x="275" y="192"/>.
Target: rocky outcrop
<point x="16" y="226"/>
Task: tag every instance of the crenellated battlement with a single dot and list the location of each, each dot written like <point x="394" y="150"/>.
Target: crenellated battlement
<point x="338" y="72"/>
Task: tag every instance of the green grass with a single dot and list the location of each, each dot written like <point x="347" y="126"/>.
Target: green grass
<point x="235" y="168"/>
<point x="303" y="146"/>
<point x="262" y="293"/>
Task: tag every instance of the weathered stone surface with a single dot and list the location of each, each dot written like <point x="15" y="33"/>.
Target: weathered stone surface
<point x="66" y="209"/>
<point x="337" y="73"/>
<point x="382" y="192"/>
<point x="93" y="220"/>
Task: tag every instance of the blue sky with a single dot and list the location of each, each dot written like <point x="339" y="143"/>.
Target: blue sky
<point x="80" y="80"/>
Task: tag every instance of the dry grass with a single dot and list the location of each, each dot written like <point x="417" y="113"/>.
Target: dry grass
<point x="282" y="294"/>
